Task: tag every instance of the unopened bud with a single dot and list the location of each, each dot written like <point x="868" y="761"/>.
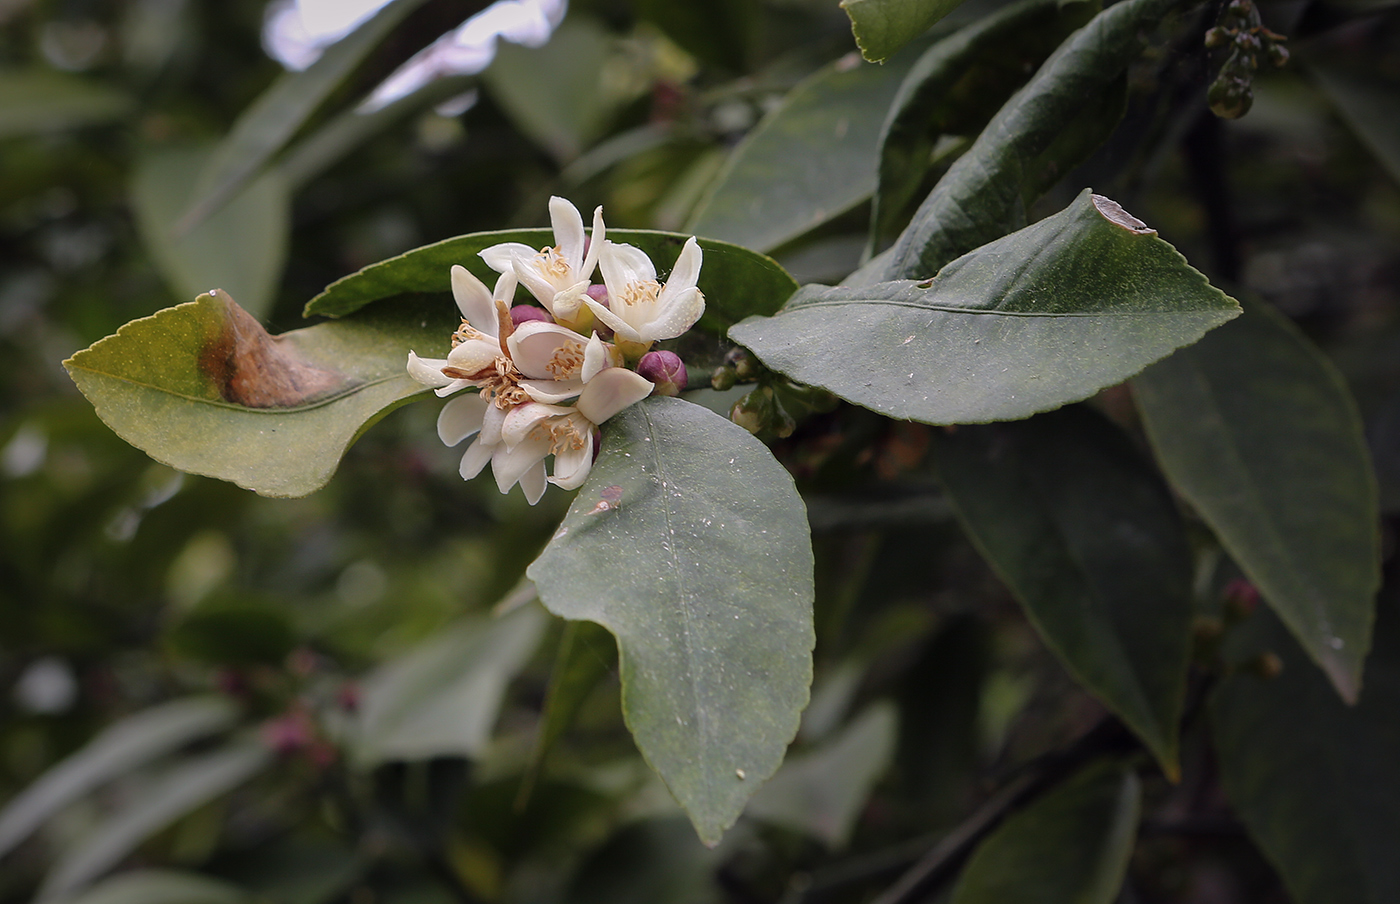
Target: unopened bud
<point x="666" y="370"/>
<point x="599" y="293"/>
<point x="524" y="313"/>
<point x="745" y="368"/>
<point x="753" y="411"/>
<point x="1266" y="665"/>
<point x="1278" y="54"/>
<point x="723" y="378"/>
<point x="1241" y="598"/>
<point x="1217" y="37"/>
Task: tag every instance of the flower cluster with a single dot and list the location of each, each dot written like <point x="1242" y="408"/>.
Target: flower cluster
<point x="547" y="377"/>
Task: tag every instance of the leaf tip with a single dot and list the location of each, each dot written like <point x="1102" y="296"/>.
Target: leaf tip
<point x="1112" y="211"/>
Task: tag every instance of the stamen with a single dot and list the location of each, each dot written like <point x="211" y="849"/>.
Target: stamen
<point x="641" y="291"/>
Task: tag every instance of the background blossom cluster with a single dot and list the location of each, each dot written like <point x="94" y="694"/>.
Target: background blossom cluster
<point x="546" y="377"/>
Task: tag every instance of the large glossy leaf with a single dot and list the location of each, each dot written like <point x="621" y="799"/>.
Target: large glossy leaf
<point x="810" y="160"/>
<point x="241" y="249"/>
<point x="178" y="791"/>
<point x="40" y="100"/>
<point x="441" y="698"/>
<point x="822" y="792"/>
<point x="982" y="196"/>
<point x="882" y="27"/>
<point x="1069" y="847"/>
<point x="737" y="282"/>
<point x="1314" y="780"/>
<point x="159" y="886"/>
<point x="202" y="387"/>
<point x="265" y="127"/>
<point x="703" y="573"/>
<point x="952" y="82"/>
<point x="1369" y="104"/>
<point x="1087" y="538"/>
<point x="1045" y="316"/>
<point x="556" y="94"/>
<point x="124" y="746"/>
<point x="1260" y="434"/>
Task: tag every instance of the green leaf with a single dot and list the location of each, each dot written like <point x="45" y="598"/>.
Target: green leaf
<point x="822" y="792"/>
<point x="737" y="282"/>
<point x="882" y="27"/>
<point x="557" y="94"/>
<point x="265" y="127"/>
<point x="703" y="573"/>
<point x="202" y="387"/>
<point x="1086" y="537"/>
<point x="1048" y="315"/>
<point x="1069" y="847"/>
<point x="242" y="249"/>
<point x="35" y="101"/>
<point x="587" y="653"/>
<point x="122" y="747"/>
<point x="1369" y="104"/>
<point x="1257" y="430"/>
<point x="441" y="698"/>
<point x="1313" y="779"/>
<point x="982" y="196"/>
<point x="948" y="87"/>
<point x="809" y="161"/>
<point x="177" y="791"/>
<point x="159" y="886"/>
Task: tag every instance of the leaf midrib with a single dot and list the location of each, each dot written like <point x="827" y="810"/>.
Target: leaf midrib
<point x="955" y="309"/>
<point x="219" y="403"/>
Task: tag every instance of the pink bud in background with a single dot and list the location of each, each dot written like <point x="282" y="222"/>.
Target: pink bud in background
<point x="524" y="313"/>
<point x="666" y="370"/>
<point x="599" y="293"/>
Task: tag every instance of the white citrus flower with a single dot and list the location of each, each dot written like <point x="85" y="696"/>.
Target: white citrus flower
<point x="535" y="430"/>
<point x="558" y="276"/>
<point x="640" y="310"/>
<point x="472" y="415"/>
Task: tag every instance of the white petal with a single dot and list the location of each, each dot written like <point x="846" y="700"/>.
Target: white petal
<point x="567" y="301"/>
<point x="551" y="392"/>
<point x="505" y="288"/>
<point x="474" y="355"/>
<point x="571" y="466"/>
<point x="474" y="300"/>
<point x="460" y="418"/>
<point x="610" y="392"/>
<point x="443" y="392"/>
<point x="623" y="264"/>
<point x="491" y="425"/>
<point x="547" y="351"/>
<point x="595" y="244"/>
<point x="521" y="420"/>
<point x="533" y="483"/>
<point x="475" y="458"/>
<point x="687" y="270"/>
<point x="568" y="231"/>
<point x="674" y="318"/>
<point x="428" y="371"/>
<point x="500" y="257"/>
<point x="595" y="358"/>
<point x="616" y="323"/>
<point x="528" y="272"/>
<point x="511" y="463"/>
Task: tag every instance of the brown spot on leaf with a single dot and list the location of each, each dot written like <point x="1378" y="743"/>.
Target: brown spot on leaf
<point x="256" y="370"/>
<point x="1114" y="213"/>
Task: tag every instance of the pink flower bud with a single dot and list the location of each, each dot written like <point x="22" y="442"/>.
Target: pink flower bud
<point x="666" y="370"/>
<point x="599" y="293"/>
<point x="523" y="313"/>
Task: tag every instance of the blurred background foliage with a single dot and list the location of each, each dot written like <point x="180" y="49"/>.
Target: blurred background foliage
<point x="295" y="636"/>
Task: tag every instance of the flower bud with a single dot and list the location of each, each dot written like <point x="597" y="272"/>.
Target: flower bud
<point x="599" y="293"/>
<point x="745" y="367"/>
<point x="723" y="378"/>
<point x="666" y="370"/>
<point x="524" y="313"/>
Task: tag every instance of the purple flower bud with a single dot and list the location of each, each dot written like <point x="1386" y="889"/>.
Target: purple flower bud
<point x="666" y="370"/>
<point x="524" y="313"/>
<point x="599" y="293"/>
